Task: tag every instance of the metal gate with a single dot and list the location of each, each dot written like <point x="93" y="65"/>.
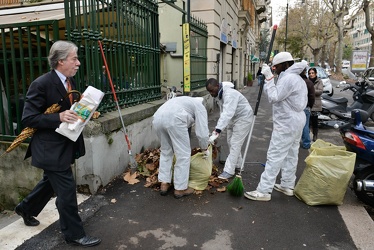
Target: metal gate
<point x="24" y="48"/>
<point x="198" y="53"/>
<point x="129" y="32"/>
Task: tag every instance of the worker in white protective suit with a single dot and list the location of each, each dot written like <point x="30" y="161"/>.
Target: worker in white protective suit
<point x="237" y="116"/>
<point x="289" y="97"/>
<point x="171" y="122"/>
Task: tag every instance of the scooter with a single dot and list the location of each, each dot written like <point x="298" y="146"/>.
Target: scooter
<point x="335" y="111"/>
<point x="359" y="139"/>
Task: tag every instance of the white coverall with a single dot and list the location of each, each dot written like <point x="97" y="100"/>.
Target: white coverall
<point x="289" y="97"/>
<point x="237" y="116"/>
<point x="171" y="122"/>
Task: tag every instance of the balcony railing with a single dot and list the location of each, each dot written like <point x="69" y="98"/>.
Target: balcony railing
<point x="8" y="3"/>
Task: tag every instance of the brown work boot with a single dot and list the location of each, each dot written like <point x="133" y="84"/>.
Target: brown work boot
<point x="180" y="193"/>
<point x="164" y="189"/>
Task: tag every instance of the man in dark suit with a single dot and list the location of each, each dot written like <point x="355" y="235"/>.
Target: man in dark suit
<point x="51" y="151"/>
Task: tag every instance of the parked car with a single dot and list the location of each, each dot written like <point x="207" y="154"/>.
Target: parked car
<point x="346" y="64"/>
<point x="327" y="86"/>
<point x="328" y="71"/>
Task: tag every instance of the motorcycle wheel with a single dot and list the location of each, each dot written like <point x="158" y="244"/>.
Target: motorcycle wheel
<point x="364" y="196"/>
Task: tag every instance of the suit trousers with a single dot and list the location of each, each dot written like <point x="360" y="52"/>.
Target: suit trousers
<point x="61" y="183"/>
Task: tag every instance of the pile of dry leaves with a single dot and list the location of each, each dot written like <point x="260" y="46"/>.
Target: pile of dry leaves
<point x="148" y="164"/>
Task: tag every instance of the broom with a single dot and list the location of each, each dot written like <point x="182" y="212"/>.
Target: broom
<point x="236" y="187"/>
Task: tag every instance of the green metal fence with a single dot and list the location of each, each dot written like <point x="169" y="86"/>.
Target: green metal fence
<point x="198" y="53"/>
<point x="129" y="32"/>
<point x="24" y="48"/>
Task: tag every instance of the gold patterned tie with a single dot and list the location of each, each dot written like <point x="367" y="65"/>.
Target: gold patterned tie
<point x="68" y="84"/>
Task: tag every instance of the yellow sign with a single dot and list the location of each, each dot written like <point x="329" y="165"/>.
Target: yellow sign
<point x="186" y="58"/>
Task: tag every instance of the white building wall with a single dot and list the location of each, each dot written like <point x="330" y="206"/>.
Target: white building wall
<point x="361" y="38"/>
<point x="213" y="13"/>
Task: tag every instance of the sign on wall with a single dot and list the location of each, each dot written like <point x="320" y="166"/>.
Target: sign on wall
<point x="224" y="31"/>
<point x="186" y="58"/>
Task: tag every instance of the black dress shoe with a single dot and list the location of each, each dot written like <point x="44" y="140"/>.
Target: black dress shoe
<point x="27" y="219"/>
<point x="86" y="241"/>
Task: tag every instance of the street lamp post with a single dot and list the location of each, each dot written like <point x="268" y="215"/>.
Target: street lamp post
<point x="285" y="40"/>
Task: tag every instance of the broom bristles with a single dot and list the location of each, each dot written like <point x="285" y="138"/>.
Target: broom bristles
<point x="236" y="187"/>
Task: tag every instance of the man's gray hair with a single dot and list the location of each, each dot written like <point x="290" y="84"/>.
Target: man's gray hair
<point x="60" y="51"/>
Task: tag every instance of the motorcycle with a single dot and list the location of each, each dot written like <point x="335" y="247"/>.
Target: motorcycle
<point x="336" y="112"/>
<point x="359" y="139"/>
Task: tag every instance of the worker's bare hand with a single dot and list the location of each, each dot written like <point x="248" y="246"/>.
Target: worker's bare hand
<point x="68" y="116"/>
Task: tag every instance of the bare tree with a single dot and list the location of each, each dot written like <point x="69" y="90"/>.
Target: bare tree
<point x="369" y="26"/>
<point x="340" y="10"/>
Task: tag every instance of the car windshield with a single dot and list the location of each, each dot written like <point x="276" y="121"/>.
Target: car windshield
<point x="321" y="73"/>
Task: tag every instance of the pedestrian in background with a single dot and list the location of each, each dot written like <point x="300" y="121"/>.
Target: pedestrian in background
<point x="51" y="151"/>
<point x="317" y="107"/>
<point x="237" y="116"/>
<point x="260" y="76"/>
<point x="305" y="138"/>
<point x="171" y="122"/>
<point x="289" y="99"/>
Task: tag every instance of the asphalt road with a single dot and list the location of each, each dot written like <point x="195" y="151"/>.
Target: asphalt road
<point x="134" y="217"/>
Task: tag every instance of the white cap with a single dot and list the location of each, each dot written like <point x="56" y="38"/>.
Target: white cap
<point x="282" y="57"/>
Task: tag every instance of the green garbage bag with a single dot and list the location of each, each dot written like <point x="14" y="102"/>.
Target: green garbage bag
<point x="326" y="176"/>
<point x="200" y="170"/>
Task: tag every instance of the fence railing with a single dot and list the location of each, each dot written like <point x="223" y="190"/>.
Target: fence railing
<point x="24" y="48"/>
<point x="129" y="32"/>
<point x="198" y="53"/>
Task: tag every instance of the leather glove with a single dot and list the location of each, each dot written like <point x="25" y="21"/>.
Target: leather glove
<point x="266" y="71"/>
<point x="213" y="137"/>
<point x="206" y="153"/>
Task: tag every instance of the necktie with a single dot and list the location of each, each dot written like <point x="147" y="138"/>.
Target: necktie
<point x="68" y="84"/>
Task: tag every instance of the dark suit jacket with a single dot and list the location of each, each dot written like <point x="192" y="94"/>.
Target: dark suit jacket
<point x="49" y="149"/>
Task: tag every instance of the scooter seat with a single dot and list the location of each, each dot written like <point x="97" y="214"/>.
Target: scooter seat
<point x="335" y="99"/>
<point x="370" y="129"/>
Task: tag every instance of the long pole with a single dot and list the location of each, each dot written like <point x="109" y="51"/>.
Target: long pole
<point x="133" y="164"/>
<point x="258" y="100"/>
<point x="285" y="40"/>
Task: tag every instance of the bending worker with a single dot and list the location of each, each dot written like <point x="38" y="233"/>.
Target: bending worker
<point x="237" y="116"/>
<point x="289" y="98"/>
<point x="171" y="122"/>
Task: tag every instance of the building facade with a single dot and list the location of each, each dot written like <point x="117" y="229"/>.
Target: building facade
<point x="233" y="46"/>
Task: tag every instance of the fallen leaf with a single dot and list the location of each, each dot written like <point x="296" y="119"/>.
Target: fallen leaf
<point x="96" y="115"/>
<point x="113" y="200"/>
<point x="131" y="178"/>
<point x="150" y="166"/>
<point x="221" y="189"/>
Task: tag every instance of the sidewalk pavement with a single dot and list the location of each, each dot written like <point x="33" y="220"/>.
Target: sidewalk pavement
<point x="134" y="217"/>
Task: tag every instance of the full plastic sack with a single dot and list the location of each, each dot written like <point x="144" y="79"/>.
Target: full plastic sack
<point x="200" y="170"/>
<point x="323" y="144"/>
<point x="326" y="176"/>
